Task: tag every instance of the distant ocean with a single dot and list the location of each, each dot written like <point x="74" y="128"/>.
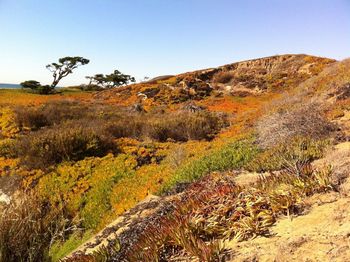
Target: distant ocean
<point x="9" y="86"/>
<point x="14" y="86"/>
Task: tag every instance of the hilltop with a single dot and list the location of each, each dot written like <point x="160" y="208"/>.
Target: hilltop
<point x="251" y="77"/>
<point x="221" y="164"/>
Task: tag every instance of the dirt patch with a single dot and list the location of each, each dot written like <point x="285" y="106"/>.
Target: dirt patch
<point x="321" y="235"/>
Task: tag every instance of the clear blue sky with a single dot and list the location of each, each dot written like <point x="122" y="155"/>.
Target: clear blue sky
<point x="157" y="37"/>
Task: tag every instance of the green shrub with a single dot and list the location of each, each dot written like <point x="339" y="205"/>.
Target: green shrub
<point x="97" y="200"/>
<point x="283" y="155"/>
<point x="7" y="148"/>
<point x="233" y="156"/>
<point x="36" y="87"/>
<point x="59" y="250"/>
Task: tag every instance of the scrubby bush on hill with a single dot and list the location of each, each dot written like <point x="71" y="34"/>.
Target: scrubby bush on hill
<point x="305" y="120"/>
<point x="67" y="131"/>
<point x="223" y="77"/>
<point x="180" y="126"/>
<point x="28" y="227"/>
<point x="7" y="148"/>
<point x="30" y="118"/>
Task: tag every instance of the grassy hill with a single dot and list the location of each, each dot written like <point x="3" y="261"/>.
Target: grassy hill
<point x="217" y="156"/>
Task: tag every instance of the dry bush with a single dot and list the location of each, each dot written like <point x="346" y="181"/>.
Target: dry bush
<point x="180" y="126"/>
<point x="57" y="112"/>
<point x="52" y="113"/>
<point x="185" y="126"/>
<point x="80" y="135"/>
<point x="68" y="142"/>
<point x="30" y="118"/>
<point x="305" y="120"/>
<point x="28" y="227"/>
<point x="130" y="125"/>
<point x="223" y="77"/>
<point x="176" y="157"/>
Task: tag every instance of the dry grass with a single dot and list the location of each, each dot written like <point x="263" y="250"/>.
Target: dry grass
<point x="28" y="227"/>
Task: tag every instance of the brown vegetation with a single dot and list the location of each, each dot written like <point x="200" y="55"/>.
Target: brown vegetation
<point x="223" y="77"/>
<point x="44" y="148"/>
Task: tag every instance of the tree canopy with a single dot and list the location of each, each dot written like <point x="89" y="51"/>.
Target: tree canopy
<point x="114" y="79"/>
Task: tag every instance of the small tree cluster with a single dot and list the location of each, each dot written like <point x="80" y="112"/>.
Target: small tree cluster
<point x="66" y="65"/>
<point x="37" y="87"/>
<point x="114" y="79"/>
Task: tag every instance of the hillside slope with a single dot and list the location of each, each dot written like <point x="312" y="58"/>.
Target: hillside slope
<point x="245" y="78"/>
<point x="313" y="226"/>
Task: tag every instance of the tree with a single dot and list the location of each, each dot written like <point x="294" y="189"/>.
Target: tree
<point x="32" y="84"/>
<point x="114" y="79"/>
<point x="100" y="79"/>
<point x="64" y="67"/>
<point x="37" y="87"/>
<point x="118" y="79"/>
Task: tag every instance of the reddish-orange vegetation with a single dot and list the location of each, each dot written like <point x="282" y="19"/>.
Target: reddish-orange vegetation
<point x="243" y="111"/>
